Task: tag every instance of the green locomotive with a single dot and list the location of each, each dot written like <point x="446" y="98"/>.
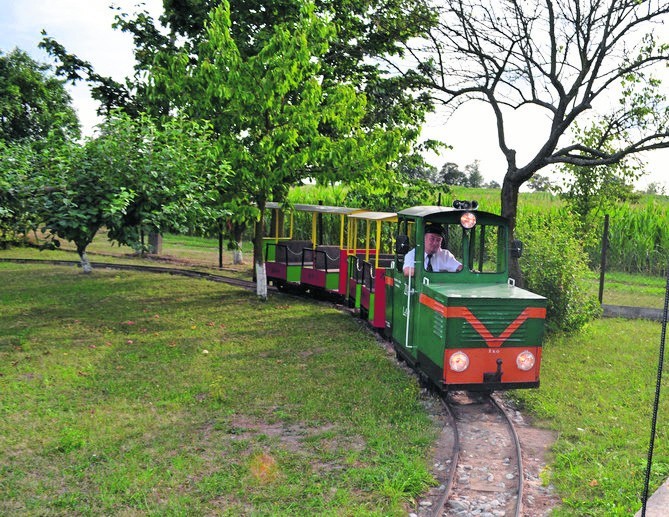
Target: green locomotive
<point x="452" y="311"/>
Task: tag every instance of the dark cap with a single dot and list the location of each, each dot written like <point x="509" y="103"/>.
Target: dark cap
<point x="434" y="228"/>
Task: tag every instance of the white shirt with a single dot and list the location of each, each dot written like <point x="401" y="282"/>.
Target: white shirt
<point x="442" y="260"/>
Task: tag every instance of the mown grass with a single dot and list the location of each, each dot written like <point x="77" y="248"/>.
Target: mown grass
<point x="597" y="391"/>
<point x="628" y="289"/>
<point x="126" y="393"/>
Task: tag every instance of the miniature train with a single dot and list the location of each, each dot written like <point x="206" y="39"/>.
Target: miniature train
<point x="468" y="327"/>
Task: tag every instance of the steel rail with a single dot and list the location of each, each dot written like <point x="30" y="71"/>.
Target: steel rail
<point x="519" y="455"/>
<point x="455" y="455"/>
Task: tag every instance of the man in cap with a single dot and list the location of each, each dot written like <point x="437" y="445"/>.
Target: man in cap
<point x="435" y="258"/>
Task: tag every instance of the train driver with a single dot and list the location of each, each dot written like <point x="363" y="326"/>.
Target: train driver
<point x="436" y="258"/>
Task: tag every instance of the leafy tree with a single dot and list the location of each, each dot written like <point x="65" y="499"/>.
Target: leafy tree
<point x="540" y="183"/>
<point x="283" y="122"/>
<point x="173" y="175"/>
<point x="452" y="175"/>
<point x="74" y="197"/>
<point x="413" y="167"/>
<point x="32" y="103"/>
<point x="592" y="190"/>
<point x="492" y="184"/>
<point x="656" y="188"/>
<point x="133" y="176"/>
<point x="369" y="34"/>
<point x="560" y="59"/>
<point x="474" y="176"/>
<point x="16" y="191"/>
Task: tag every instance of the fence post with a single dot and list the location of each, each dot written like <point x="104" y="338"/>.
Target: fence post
<point x="602" y="267"/>
<point x="220" y="244"/>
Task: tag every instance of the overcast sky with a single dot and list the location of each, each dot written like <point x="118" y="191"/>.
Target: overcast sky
<point x="84" y="28"/>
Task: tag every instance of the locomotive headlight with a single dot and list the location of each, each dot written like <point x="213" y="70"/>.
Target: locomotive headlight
<point x="459" y="362"/>
<point x="468" y="220"/>
<point x="525" y="360"/>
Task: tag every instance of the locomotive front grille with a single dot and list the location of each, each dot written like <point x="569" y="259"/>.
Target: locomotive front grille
<point x="490" y="321"/>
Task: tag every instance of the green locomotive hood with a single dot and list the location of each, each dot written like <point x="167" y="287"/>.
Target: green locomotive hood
<point x="493" y="315"/>
<point x="452" y="292"/>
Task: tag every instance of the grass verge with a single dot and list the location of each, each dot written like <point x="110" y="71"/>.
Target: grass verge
<point x="137" y="394"/>
<point x="597" y="391"/>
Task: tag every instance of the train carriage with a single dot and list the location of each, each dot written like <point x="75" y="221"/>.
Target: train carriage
<point x="314" y="263"/>
<point x="283" y="252"/>
<point x="368" y="257"/>
<point x="323" y="265"/>
<point x="469" y="327"/>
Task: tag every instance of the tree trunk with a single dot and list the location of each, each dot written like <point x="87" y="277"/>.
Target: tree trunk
<point x="260" y="273"/>
<point x="155" y="243"/>
<point x="237" y="232"/>
<point x="86" y="266"/>
<point x="509" y="210"/>
<point x="237" y="255"/>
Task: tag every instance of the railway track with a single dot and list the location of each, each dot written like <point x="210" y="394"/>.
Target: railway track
<point x="192" y="273"/>
<point x="486" y="474"/>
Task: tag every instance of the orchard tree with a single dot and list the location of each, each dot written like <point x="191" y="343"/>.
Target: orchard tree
<point x="32" y="102"/>
<point x="132" y="175"/>
<point x="17" y="218"/>
<point x="568" y="61"/>
<point x="34" y="108"/>
<point x="173" y="176"/>
<point x="283" y="123"/>
<point x="540" y="183"/>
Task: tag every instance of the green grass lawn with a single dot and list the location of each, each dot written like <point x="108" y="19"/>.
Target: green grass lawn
<point x="125" y="393"/>
<point x="597" y="391"/>
<point x="633" y="290"/>
<point x="130" y="393"/>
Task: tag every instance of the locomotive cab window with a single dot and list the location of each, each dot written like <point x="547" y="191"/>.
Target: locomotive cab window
<point x="487" y="245"/>
<point x="451" y="245"/>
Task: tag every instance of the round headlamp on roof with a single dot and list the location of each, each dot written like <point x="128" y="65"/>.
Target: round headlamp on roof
<point x="468" y="220"/>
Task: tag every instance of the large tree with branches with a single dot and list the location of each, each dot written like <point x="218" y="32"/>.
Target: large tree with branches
<point x="595" y="62"/>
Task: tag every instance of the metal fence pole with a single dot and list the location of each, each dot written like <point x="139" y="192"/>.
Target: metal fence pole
<point x="602" y="267"/>
<point x="656" y="405"/>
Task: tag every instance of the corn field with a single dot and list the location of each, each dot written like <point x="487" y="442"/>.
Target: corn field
<point x="639" y="238"/>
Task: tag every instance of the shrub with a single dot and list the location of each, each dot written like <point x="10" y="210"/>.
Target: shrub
<point x="555" y="266"/>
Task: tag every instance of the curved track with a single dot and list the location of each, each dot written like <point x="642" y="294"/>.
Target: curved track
<point x="246" y="284"/>
<point x="486" y="474"/>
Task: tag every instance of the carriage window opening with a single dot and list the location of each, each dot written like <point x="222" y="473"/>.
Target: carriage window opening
<point x="487" y="244"/>
<point x="406" y="232"/>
